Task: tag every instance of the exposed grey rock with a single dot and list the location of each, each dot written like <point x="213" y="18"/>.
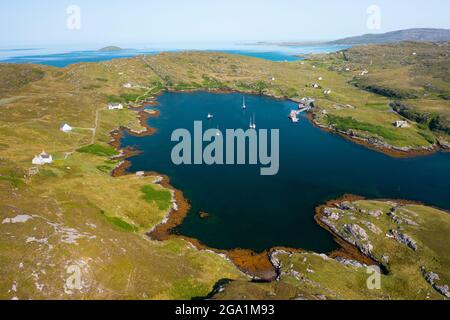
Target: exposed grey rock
<point x="329" y="224"/>
<point x="356" y="232"/>
<point x="349" y="262"/>
<point x="372" y="227"/>
<point x="443" y="289"/>
<point x="331" y="214"/>
<point x="404" y="239"/>
<point x="345" y="206"/>
<point x="432" y="279"/>
<point x="366" y="248"/>
<point x="22" y="218"/>
<point x="399" y="219"/>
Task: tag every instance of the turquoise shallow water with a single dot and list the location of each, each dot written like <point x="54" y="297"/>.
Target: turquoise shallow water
<point x="258" y="212"/>
<point x="62" y="58"/>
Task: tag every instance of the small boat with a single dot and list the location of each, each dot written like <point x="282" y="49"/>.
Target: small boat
<point x="218" y="133"/>
<point x="243" y="104"/>
<point x="210" y="116"/>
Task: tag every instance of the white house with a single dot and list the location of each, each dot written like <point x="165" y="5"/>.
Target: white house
<point x="127" y="85"/>
<point x="320" y="78"/>
<point x="327" y="92"/>
<point x="115" y="106"/>
<point x="66" y="128"/>
<point x="43" y="158"/>
<point x="401" y="124"/>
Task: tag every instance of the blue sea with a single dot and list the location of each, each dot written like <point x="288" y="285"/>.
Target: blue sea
<point x="61" y="57"/>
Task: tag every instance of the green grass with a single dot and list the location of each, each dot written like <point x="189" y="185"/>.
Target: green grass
<point x="162" y="198"/>
<point x="98" y="150"/>
<point x="212" y="83"/>
<point x="13" y="179"/>
<point x="187" y="86"/>
<point x="349" y="123"/>
<point x="104" y="168"/>
<point x="121" y="224"/>
<point x="48" y="173"/>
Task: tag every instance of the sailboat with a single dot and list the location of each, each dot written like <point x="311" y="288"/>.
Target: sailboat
<point x="252" y="123"/>
<point x="243" y="104"/>
<point x="218" y="133"/>
<point x="210" y="116"/>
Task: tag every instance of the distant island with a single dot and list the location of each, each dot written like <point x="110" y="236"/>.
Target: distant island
<point x="110" y="48"/>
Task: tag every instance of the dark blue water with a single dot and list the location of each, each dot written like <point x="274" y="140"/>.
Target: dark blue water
<point x="258" y="212"/>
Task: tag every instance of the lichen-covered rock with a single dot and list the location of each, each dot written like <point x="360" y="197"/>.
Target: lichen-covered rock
<point x="349" y="262"/>
<point x="404" y="239"/>
<point x="399" y="219"/>
<point x="432" y="278"/>
<point x="346" y="206"/>
<point x="331" y="214"/>
<point x="373" y="228"/>
<point x="366" y="248"/>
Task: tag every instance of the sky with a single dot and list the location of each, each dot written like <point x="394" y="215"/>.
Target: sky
<point x="121" y="22"/>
